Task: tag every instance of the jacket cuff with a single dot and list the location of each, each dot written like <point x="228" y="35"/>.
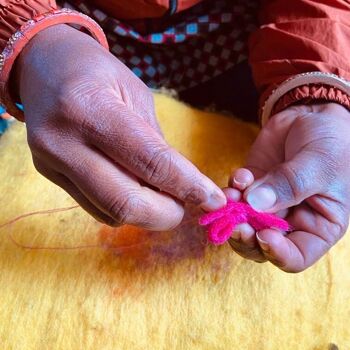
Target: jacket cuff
<point x="304" y="88"/>
<point x="15" y="13"/>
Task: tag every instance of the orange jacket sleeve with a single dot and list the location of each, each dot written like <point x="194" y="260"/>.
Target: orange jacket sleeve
<point x="299" y="36"/>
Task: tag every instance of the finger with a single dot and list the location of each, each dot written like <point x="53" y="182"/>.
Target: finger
<point x="245" y="235"/>
<point x="130" y="141"/>
<point x="118" y="194"/>
<point x="282" y="213"/>
<point x="289" y="184"/>
<point x="242" y="231"/>
<point x="246" y="252"/>
<point x="63" y="182"/>
<point x="233" y="194"/>
<point x="243" y="240"/>
<point x="316" y="233"/>
<point x="241" y="179"/>
<point x="294" y="252"/>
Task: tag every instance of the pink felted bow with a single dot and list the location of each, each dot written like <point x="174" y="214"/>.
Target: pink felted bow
<point x="222" y="222"/>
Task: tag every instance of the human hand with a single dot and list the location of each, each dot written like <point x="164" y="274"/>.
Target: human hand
<point x="92" y="130"/>
<point x="301" y="163"/>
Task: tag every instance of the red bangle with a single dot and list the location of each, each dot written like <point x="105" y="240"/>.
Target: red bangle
<point x="27" y="31"/>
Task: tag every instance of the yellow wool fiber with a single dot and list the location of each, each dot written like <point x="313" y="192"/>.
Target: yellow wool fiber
<point x="206" y="299"/>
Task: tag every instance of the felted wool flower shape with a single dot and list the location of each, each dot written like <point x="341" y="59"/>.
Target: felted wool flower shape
<point x="222" y="222"/>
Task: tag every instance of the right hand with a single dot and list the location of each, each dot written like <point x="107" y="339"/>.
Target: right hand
<point x="92" y="130"/>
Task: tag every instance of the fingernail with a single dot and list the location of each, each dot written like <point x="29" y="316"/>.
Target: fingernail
<point x="262" y="198"/>
<point x="239" y="183"/>
<point x="236" y="235"/>
<point x="216" y="201"/>
<point x="263" y="244"/>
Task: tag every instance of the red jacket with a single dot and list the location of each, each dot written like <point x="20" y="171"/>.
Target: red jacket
<point x="296" y="36"/>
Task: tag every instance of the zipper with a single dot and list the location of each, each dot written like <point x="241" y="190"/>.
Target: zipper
<point x="172" y="8"/>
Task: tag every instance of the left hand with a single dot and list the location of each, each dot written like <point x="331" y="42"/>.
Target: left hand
<point x="301" y="163"/>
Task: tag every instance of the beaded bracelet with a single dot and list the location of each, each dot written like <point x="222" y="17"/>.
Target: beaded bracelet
<point x="26" y="32"/>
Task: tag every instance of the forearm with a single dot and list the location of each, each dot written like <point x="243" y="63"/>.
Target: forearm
<point x="298" y="37"/>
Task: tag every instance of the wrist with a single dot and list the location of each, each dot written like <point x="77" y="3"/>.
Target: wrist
<point x="23" y="37"/>
<point x="51" y="60"/>
<point x="307" y="88"/>
<point x="329" y="110"/>
<point x="333" y="108"/>
<point x="33" y="52"/>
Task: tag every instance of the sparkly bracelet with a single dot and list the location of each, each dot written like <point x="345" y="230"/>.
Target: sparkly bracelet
<point x="26" y="32"/>
<point x="300" y="80"/>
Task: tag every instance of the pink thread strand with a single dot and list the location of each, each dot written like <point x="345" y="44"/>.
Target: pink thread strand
<point x="57" y="210"/>
<point x="43" y="212"/>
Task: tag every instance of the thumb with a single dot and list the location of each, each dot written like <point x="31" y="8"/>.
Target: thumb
<point x="289" y="183"/>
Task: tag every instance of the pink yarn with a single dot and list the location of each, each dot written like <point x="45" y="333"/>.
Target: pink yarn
<point x="222" y="222"/>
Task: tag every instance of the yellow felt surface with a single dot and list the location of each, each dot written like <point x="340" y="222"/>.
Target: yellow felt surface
<point x="196" y="299"/>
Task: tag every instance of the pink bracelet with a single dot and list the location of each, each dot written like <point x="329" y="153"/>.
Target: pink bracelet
<point x="27" y="31"/>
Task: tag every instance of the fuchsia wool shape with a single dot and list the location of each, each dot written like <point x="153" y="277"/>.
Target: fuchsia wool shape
<point x="222" y="222"/>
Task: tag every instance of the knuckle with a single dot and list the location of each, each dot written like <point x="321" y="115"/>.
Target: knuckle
<point x="101" y="217"/>
<point x="293" y="184"/>
<point x="120" y="210"/>
<point x="49" y="146"/>
<point x="93" y="128"/>
<point x="40" y="142"/>
<point x="107" y="221"/>
<point x="335" y="232"/>
<point x="282" y="265"/>
<point x="292" y="269"/>
<point x="127" y="211"/>
<point x="196" y="194"/>
<point x="251" y="253"/>
<point x="342" y="227"/>
<point x="160" y="167"/>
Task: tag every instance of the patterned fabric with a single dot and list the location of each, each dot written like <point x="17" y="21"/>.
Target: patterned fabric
<point x="183" y="50"/>
<point x="3" y="125"/>
<point x="3" y="122"/>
